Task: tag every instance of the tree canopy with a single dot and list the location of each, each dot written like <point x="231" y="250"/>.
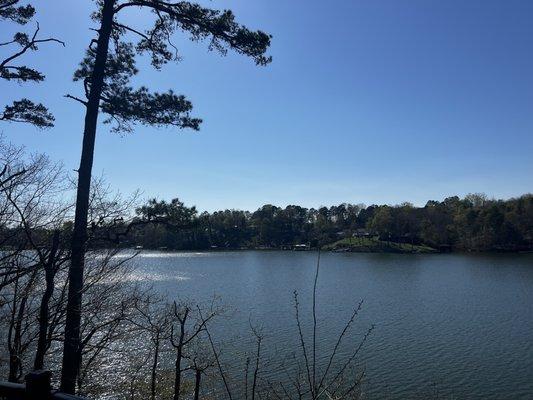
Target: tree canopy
<point x="126" y="106"/>
<point x="473" y="223"/>
<point x="13" y="69"/>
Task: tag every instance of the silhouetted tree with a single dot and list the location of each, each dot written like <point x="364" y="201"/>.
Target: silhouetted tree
<point x="23" y="110"/>
<point x="186" y="328"/>
<point x="105" y="72"/>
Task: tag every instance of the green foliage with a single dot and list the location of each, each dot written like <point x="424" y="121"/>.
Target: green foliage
<point x="23" y="110"/>
<point x="219" y="27"/>
<point x="374" y="245"/>
<point x="471" y="224"/>
<point x="126" y="106"/>
<point x="174" y="213"/>
<point x="21" y="74"/>
<point x="18" y="14"/>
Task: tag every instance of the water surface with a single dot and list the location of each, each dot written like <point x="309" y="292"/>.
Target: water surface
<point x="459" y="325"/>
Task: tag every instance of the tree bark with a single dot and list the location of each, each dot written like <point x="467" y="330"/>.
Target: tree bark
<point x="197" y="384"/>
<point x="153" y="382"/>
<point x="70" y="366"/>
<point x="16" y="332"/>
<point x="50" y="272"/>
<point x="177" y="378"/>
<point x="179" y="356"/>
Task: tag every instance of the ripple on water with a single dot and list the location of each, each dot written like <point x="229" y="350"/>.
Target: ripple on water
<point x="458" y="324"/>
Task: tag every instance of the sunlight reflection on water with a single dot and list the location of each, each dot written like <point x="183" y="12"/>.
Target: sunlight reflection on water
<point x="138" y="276"/>
<point x="461" y="323"/>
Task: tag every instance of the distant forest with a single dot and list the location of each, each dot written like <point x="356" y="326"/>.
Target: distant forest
<point x="473" y="223"/>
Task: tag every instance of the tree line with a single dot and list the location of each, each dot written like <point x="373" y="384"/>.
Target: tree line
<point x="472" y="223"/>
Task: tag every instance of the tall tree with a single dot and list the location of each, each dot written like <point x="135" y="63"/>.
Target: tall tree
<point x="106" y="72"/>
<point x="11" y="69"/>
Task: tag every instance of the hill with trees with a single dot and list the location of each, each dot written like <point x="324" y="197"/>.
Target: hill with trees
<point x="472" y="223"/>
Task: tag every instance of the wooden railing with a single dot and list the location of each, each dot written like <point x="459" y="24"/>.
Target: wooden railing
<point x="37" y="387"/>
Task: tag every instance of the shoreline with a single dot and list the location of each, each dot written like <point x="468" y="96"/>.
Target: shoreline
<point x="273" y="249"/>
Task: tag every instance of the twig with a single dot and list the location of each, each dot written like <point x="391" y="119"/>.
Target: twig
<point x="314" y="321"/>
<point x="217" y="358"/>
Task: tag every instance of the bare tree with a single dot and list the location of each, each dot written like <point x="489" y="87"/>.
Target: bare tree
<point x="34" y="233"/>
<point x="152" y="317"/>
<point x="338" y="376"/>
<point x="259" y="340"/>
<point x="20" y="332"/>
<point x="191" y="324"/>
<point x="304" y="378"/>
<point x="29" y="212"/>
<point x="29" y="208"/>
<point x="51" y="267"/>
<point x="200" y="361"/>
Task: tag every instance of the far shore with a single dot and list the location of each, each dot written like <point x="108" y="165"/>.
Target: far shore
<point x="392" y="248"/>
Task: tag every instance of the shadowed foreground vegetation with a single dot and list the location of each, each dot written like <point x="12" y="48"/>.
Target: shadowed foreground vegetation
<point x="135" y="342"/>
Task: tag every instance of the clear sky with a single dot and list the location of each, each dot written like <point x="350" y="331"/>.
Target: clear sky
<point x="374" y="101"/>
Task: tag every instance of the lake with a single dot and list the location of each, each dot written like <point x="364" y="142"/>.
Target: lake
<point x="453" y="325"/>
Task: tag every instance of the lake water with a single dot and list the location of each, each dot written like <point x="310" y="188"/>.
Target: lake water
<point x="457" y="325"/>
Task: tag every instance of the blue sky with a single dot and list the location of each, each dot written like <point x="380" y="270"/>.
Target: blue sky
<point x="375" y="101"/>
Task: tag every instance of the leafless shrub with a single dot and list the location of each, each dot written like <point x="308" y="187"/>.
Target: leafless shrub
<point x="302" y="377"/>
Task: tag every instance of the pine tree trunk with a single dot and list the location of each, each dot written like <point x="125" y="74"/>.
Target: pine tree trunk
<point x="71" y="363"/>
